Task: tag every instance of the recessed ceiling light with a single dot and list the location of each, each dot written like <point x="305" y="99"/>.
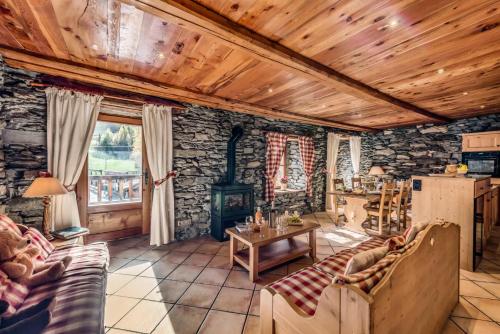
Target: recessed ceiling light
<point x="270" y="90"/>
<point x="161" y="55"/>
<point x="393" y="23"/>
<point x="482" y="106"/>
<point x="94" y="46"/>
<point x="440" y="71"/>
<point x="465" y="93"/>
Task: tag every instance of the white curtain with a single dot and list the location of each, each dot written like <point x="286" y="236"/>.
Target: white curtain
<point x="157" y="125"/>
<point x="355" y="146"/>
<point x="71" y="119"/>
<point x="331" y="166"/>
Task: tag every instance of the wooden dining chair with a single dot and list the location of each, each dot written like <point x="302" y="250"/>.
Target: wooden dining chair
<point x="400" y="205"/>
<point x="381" y="211"/>
<point x="356" y="183"/>
<point x="340" y="202"/>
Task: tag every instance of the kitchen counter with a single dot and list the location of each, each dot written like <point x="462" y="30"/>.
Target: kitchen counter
<point x="470" y="202"/>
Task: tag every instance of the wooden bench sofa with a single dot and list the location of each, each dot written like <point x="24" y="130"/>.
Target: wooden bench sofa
<point x="414" y="294"/>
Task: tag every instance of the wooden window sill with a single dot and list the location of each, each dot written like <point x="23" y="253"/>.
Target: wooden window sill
<point x="289" y="191"/>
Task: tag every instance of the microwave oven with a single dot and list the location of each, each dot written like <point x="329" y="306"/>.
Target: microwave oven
<point x="484" y="163"/>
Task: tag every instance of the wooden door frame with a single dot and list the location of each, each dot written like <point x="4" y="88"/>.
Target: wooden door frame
<point x="82" y="191"/>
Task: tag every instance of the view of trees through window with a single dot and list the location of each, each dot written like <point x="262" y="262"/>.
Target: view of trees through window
<point x="115" y="163"/>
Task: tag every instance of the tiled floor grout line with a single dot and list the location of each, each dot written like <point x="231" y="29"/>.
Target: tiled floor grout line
<point x="218" y="293"/>
<point x="138" y="299"/>
<point x="486" y="273"/>
<point x="190" y="284"/>
<point x="474" y="306"/>
<point x="457" y="325"/>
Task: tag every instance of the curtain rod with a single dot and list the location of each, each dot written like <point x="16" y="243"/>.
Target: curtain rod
<point x="290" y="136"/>
<point x="107" y="93"/>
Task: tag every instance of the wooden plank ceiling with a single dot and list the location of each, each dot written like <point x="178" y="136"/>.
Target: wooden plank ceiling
<point x="353" y="64"/>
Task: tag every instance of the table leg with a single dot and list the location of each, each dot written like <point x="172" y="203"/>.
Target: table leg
<point x="254" y="263"/>
<point x="233" y="248"/>
<point x="355" y="213"/>
<point x="312" y="244"/>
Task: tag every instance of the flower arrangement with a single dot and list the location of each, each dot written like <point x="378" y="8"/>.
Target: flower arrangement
<point x="284" y="179"/>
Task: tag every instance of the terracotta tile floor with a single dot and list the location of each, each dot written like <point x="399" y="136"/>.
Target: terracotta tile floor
<point x="188" y="287"/>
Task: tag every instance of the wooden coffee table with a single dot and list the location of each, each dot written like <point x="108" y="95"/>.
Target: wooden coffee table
<point x="273" y="248"/>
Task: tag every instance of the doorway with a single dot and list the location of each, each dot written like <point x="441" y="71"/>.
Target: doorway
<point x="114" y="188"/>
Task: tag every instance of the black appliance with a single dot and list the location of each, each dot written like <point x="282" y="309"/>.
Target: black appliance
<point x="483" y="163"/>
<point x="230" y="202"/>
<point x="477" y="239"/>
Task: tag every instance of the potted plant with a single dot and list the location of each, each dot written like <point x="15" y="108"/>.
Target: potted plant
<point x="284" y="183"/>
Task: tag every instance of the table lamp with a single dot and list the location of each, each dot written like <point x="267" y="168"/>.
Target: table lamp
<point x="44" y="186"/>
<point x="376" y="171"/>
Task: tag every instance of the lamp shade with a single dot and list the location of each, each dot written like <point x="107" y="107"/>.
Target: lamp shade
<point x="45" y="186"/>
<point x="376" y="170"/>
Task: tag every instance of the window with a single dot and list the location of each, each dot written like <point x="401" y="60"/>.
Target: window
<point x="291" y="167"/>
<point x="115" y="164"/>
<point x="282" y="172"/>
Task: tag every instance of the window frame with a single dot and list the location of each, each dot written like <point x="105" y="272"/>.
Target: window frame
<point x="284" y="167"/>
<point x="104" y="207"/>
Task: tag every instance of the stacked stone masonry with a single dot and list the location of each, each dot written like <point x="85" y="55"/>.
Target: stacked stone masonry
<point x="200" y="139"/>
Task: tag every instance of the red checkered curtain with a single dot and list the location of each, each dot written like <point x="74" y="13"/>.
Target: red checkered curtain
<point x="276" y="145"/>
<point x="306" y="146"/>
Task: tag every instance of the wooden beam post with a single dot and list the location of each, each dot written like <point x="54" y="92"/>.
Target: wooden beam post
<point x="196" y="17"/>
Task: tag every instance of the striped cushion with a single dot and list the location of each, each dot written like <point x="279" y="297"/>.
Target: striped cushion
<point x="94" y="255"/>
<point x="336" y="264"/>
<point x="40" y="242"/>
<point x="368" y="278"/>
<point x="303" y="287"/>
<point x="12" y="292"/>
<point x="8" y="224"/>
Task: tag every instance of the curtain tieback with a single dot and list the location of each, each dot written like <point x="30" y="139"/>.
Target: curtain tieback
<point x="70" y="187"/>
<point x="170" y="174"/>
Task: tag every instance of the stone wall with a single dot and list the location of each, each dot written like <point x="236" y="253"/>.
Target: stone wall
<point x="23" y="150"/>
<point x="200" y="139"/>
<point x="295" y="168"/>
<point x="416" y="150"/>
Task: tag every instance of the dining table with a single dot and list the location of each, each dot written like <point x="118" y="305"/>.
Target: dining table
<point x="354" y="209"/>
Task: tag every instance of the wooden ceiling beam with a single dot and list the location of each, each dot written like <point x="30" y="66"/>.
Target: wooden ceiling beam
<point x="196" y="17"/>
<point x="129" y="83"/>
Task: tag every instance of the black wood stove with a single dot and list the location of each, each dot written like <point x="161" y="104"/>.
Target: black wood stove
<point x="230" y="202"/>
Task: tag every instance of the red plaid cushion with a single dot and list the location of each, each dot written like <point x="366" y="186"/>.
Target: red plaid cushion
<point x="304" y="288"/>
<point x="40" y="242"/>
<point x="405" y="248"/>
<point x="8" y="224"/>
<point x="395" y="243"/>
<point x="335" y="264"/>
<point x="12" y="292"/>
